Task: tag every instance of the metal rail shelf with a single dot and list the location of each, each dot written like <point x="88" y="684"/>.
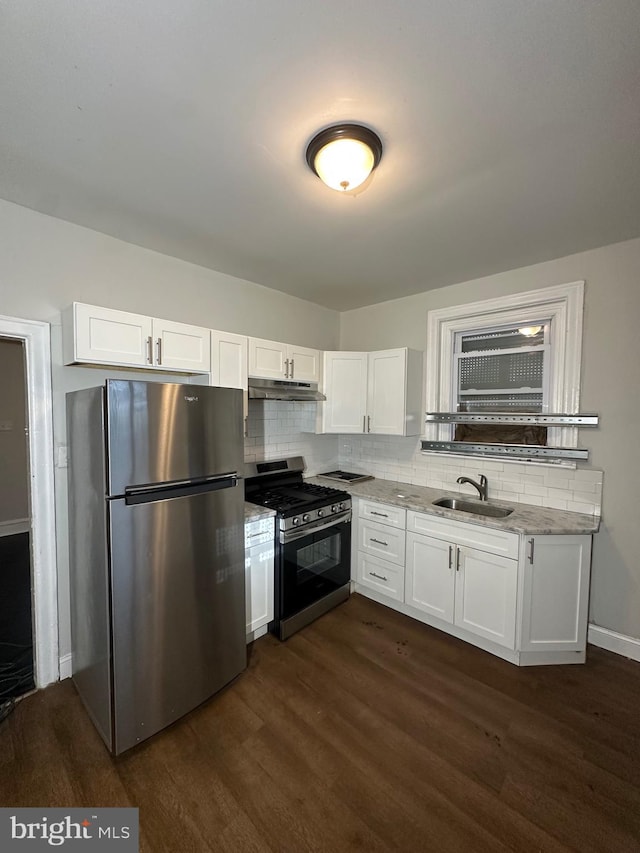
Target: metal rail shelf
<point x="512" y="418"/>
<point x="516" y="451"/>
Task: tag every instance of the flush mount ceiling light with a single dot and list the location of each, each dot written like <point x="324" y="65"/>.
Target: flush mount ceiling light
<point x="344" y="155"/>
<point x="530" y="331"/>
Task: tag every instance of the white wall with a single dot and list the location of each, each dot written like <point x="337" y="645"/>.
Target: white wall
<point x="14" y="496"/>
<point x="609" y="388"/>
<point x="45" y="264"/>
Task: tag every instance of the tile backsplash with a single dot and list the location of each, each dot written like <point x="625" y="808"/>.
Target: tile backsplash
<point x="277" y="429"/>
<point x="392" y="458"/>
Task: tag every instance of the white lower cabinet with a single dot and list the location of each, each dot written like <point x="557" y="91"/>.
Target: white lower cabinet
<point x="472" y="589"/>
<point x="380" y="575"/>
<point x="258" y="563"/>
<point x="555" y="593"/>
<point x="379" y="548"/>
<point x="523" y="598"/>
<point x="429" y="580"/>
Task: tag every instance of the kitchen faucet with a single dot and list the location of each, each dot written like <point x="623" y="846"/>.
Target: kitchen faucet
<point x="481" y="486"/>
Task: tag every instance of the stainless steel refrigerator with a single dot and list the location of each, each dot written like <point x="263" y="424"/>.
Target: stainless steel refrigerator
<point x="156" y="542"/>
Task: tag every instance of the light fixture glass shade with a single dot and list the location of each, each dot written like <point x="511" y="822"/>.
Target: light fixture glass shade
<point x="343" y="156"/>
<point x="530" y="331"/>
<point x="344" y="164"/>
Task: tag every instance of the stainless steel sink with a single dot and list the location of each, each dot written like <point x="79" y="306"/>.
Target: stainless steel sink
<point x="476" y="507"/>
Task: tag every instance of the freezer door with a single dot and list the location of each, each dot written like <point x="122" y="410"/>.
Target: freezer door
<point x="178" y="606"/>
<point x="158" y="432"/>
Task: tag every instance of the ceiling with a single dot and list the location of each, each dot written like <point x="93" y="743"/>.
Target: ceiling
<point x="511" y="132"/>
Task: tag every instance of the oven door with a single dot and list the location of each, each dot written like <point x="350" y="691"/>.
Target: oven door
<point x="311" y="565"/>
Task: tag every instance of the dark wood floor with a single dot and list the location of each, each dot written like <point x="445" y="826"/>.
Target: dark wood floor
<point x="366" y="731"/>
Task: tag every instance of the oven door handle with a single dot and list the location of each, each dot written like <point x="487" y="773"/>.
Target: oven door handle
<point x="292" y="535"/>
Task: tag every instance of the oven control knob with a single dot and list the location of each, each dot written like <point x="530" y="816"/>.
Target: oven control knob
<point x="306" y="517"/>
<point x="335" y="508"/>
<point x="295" y="521"/>
<point x="320" y="513"/>
<point x="341" y="507"/>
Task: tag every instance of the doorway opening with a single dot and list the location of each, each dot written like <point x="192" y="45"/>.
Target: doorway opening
<point x="16" y="609"/>
<point x="28" y="566"/>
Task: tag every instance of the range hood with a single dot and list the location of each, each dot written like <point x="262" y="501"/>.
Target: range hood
<point x="273" y="389"/>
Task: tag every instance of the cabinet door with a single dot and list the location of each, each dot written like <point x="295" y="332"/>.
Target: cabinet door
<point x="430" y="576"/>
<point x="556" y="573"/>
<point x="267" y="359"/>
<point x="228" y="360"/>
<point x="386" y="392"/>
<point x="485" y="597"/>
<point x="180" y="346"/>
<point x="259" y="585"/>
<point x="106" y="336"/>
<point x="304" y="364"/>
<point x="345" y="387"/>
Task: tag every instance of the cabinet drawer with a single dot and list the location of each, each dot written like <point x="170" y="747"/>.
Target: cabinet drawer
<point x="380" y="575"/>
<point x="472" y="535"/>
<point x="258" y="531"/>
<point x="394" y="516"/>
<point x="379" y="540"/>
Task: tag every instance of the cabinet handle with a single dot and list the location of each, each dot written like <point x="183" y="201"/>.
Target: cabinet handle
<point x="368" y="423"/>
<point x="291" y="369"/>
<point x="381" y="514"/>
<point x="457" y="559"/>
<point x="364" y="423"/>
<point x="450" y="556"/>
<point x="531" y="541"/>
<point x="379" y="542"/>
<point x="380" y="577"/>
<point x="286" y="368"/>
<point x="150" y="349"/>
<point x="261" y="533"/>
<point x="159" y="350"/>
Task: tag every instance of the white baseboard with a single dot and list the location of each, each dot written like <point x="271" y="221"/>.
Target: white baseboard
<point x="16" y="525"/>
<point x="66" y="670"/>
<point x="612" y="641"/>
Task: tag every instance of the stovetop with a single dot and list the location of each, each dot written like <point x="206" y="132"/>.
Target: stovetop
<point x="293" y="498"/>
<point x="278" y="484"/>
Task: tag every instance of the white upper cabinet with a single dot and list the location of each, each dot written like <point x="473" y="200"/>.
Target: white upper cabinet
<point x="179" y="346"/>
<point x="95" y="335"/>
<point x="105" y="336"/>
<point x="273" y="360"/>
<point x="345" y="383"/>
<point x="228" y="360"/>
<point x="304" y="363"/>
<point x="377" y="392"/>
<point x="268" y="359"/>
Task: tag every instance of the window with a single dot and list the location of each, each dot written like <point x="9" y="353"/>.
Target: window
<point x="518" y="354"/>
<point x="502" y="370"/>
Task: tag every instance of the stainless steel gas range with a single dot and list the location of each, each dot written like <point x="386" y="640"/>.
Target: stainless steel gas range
<point x="312" y="544"/>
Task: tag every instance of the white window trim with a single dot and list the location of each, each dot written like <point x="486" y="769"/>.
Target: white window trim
<point x="563" y="304"/>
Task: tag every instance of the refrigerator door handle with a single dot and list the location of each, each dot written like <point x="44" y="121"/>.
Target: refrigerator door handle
<point x="179" y="488"/>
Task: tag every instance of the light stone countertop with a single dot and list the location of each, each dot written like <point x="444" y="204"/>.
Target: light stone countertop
<point x="525" y="518"/>
<point x="253" y="511"/>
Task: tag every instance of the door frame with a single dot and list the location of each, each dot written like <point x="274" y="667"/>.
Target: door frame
<point x="36" y="337"/>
